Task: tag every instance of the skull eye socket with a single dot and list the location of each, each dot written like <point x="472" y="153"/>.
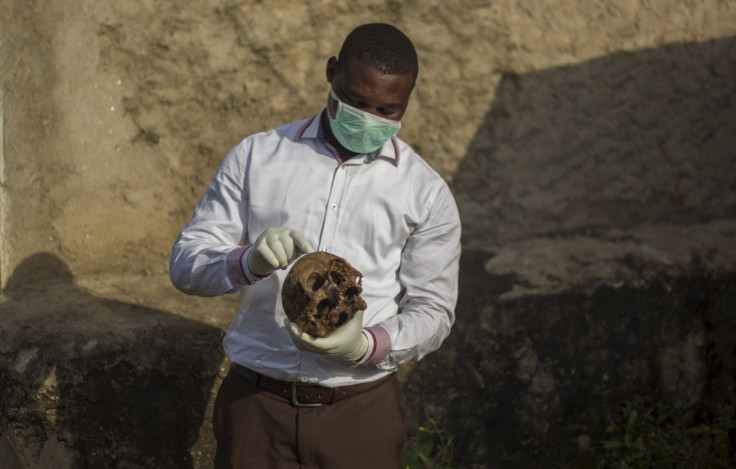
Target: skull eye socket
<point x="336" y="277"/>
<point x="351" y="292"/>
<point x="316" y="281"/>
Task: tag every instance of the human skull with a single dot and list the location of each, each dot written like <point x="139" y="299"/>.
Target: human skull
<point x="321" y="293"/>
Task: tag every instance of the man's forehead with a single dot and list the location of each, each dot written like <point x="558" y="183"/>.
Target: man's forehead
<point x="357" y="77"/>
<point x="353" y="66"/>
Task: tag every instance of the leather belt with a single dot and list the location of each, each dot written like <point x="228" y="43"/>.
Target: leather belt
<point x="305" y="394"/>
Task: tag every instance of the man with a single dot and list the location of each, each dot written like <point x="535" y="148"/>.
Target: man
<point x="343" y="183"/>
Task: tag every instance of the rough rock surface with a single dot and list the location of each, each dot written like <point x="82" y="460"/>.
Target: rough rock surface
<point x="589" y="145"/>
<point x="109" y="373"/>
<point x="551" y="339"/>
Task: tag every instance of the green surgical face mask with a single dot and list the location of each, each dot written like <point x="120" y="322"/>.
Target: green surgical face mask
<point x="360" y="131"/>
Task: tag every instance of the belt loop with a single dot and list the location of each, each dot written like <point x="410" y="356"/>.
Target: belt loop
<point x="340" y="394"/>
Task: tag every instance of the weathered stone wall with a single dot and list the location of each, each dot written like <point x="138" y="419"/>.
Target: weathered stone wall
<point x="631" y="138"/>
<point x="589" y="144"/>
<point x="117" y="113"/>
<point x="117" y="374"/>
<point x="525" y="375"/>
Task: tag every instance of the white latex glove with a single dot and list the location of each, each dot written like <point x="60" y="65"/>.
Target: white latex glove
<point x="347" y="343"/>
<point x="275" y="248"/>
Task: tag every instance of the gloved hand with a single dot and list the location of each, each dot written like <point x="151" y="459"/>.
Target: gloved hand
<point x="275" y="248"/>
<point x="347" y="343"/>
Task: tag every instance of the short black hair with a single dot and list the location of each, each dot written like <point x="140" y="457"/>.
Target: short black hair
<point x="383" y="47"/>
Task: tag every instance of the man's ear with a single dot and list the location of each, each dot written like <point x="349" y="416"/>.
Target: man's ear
<point x="331" y="69"/>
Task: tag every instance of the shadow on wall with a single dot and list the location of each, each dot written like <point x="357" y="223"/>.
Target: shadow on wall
<point x="630" y="138"/>
<point x="92" y="382"/>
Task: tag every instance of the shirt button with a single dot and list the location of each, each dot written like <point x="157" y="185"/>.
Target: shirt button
<point x="333" y="207"/>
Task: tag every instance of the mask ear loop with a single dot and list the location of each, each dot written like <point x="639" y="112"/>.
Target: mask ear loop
<point x="337" y="101"/>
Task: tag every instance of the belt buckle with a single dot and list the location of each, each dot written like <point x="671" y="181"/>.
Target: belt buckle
<point x="295" y="400"/>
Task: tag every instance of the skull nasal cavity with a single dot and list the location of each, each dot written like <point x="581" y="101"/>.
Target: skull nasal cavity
<point x="351" y="292"/>
<point x="324" y="306"/>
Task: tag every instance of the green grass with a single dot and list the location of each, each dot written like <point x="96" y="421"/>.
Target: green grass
<point x="648" y="434"/>
<point x="434" y="450"/>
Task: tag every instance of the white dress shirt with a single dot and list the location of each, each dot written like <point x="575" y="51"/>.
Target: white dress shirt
<point x="388" y="214"/>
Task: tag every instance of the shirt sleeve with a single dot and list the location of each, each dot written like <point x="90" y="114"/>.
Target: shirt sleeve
<point x="206" y="257"/>
<point x="429" y="277"/>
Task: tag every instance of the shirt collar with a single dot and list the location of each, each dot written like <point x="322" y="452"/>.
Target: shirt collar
<point x="312" y="129"/>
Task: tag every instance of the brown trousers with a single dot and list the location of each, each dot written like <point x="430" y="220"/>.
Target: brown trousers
<point x="256" y="429"/>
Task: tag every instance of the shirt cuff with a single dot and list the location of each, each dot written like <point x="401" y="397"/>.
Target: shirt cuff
<point x="237" y="268"/>
<point x="379" y="345"/>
